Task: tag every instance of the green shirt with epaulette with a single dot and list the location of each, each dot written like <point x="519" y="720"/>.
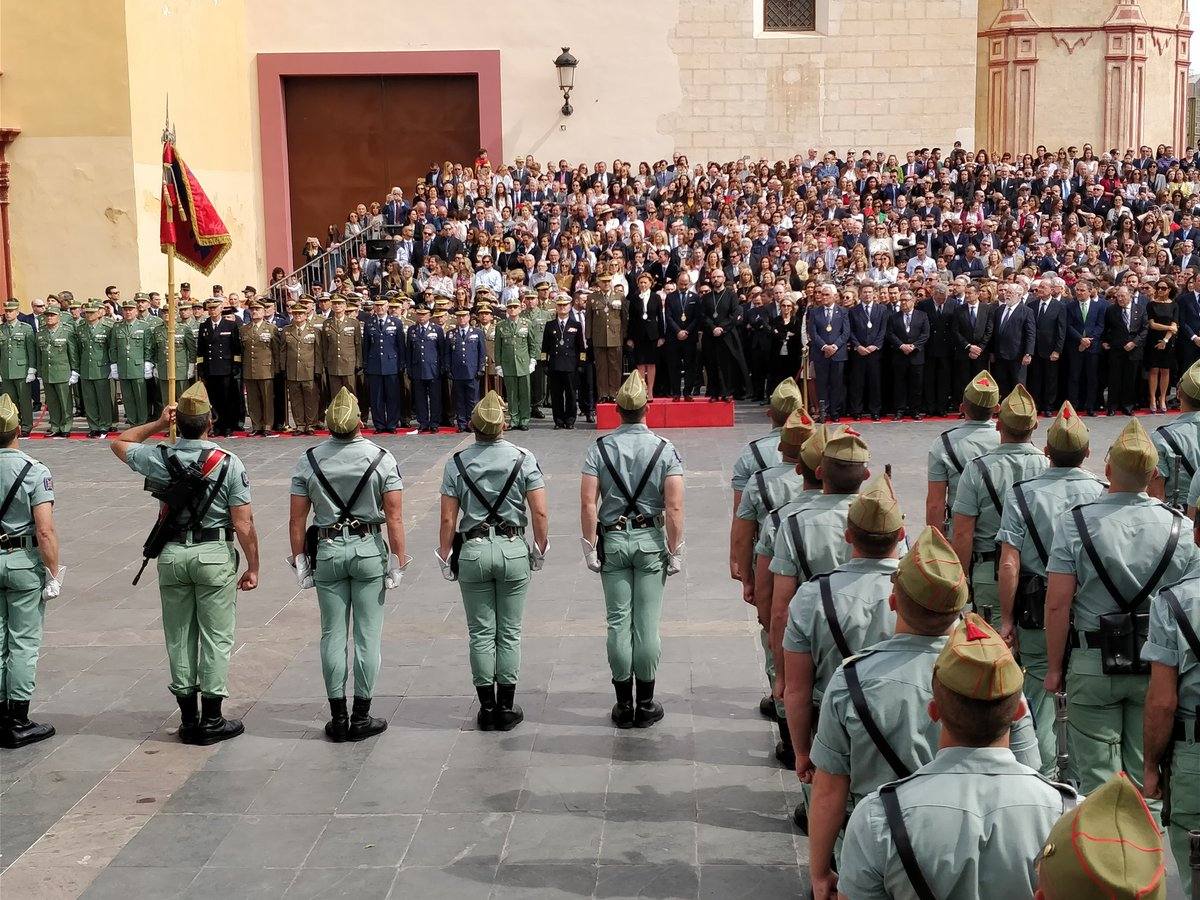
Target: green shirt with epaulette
<point x="146" y="460"/>
<point x="765" y="545"/>
<point x="18" y="350"/>
<point x="1006" y="464"/>
<point x="185" y="351"/>
<point x="969" y="440"/>
<point x="343" y="463"/>
<point x="769" y="489"/>
<point x="630" y="449"/>
<point x="488" y="463"/>
<point x="822" y="526"/>
<point x="760" y="453"/>
<point x="39" y="489"/>
<point x="1166" y="644"/>
<point x="1184" y="430"/>
<point x="91" y="339"/>
<point x="1047" y="496"/>
<point x="57" y="354"/>
<point x="130" y="346"/>
<point x="516" y="345"/>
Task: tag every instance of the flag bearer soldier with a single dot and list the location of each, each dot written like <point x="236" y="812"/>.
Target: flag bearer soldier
<point x="260" y="359"/>
<point x="1178" y="443"/>
<point x="29" y="576"/>
<point x="91" y="336"/>
<point x="58" y="368"/>
<point x="466" y="356"/>
<point x="383" y="366"/>
<point x="185" y="356"/>
<point x="954" y="450"/>
<point x="197" y="568"/>
<point x="632" y="514"/>
<point x="18" y="362"/>
<point x="355" y="491"/>
<point x="426" y="363"/>
<point x="342" y="334"/>
<point x="131" y="346"/>
<point x="562" y="352"/>
<point x="491" y="492"/>
<point x="303" y="360"/>
<point x="516" y="353"/>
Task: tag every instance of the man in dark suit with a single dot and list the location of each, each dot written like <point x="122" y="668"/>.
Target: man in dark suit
<point x="1085" y="330"/>
<point x="1050" y="332"/>
<point x="722" y="350"/>
<point x="939" y="351"/>
<point x="681" y="309"/>
<point x="446" y="245"/>
<point x="968" y="264"/>
<point x="908" y="333"/>
<point x="828" y="336"/>
<point x="1012" y="340"/>
<point x="974" y="323"/>
<point x="1189" y="319"/>
<point x="1125" y="327"/>
<point x="868" y="336"/>
<point x="424" y="247"/>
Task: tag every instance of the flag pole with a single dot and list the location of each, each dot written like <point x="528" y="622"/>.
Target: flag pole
<point x="168" y="137"/>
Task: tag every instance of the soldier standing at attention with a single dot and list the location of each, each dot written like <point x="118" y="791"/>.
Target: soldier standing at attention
<point x="91" y="337"/>
<point x="538" y="314"/>
<point x="58" y="367"/>
<point x="154" y="399"/>
<point x="131" y="348"/>
<point x="18" y="362"/>
<point x="342" y="335"/>
<point x="303" y="359"/>
<point x="185" y="355"/>
<point x="1108" y="559"/>
<point x="383" y="366"/>
<point x="516" y="353"/>
<point x="466" y="356"/>
<point x="1031" y="508"/>
<point x="954" y="450"/>
<point x="563" y="352"/>
<point x="631" y="516"/>
<point x="979" y="498"/>
<point x="607" y="323"/>
<point x="913" y="837"/>
<point x="29" y="576"/>
<point x="487" y="325"/>
<point x="426" y="362"/>
<point x="260" y="359"/>
<point x="218" y="362"/>
<point x="197" y="569"/>
<point x="1178" y="443"/>
<point x="491" y="492"/>
<point x="355" y="491"/>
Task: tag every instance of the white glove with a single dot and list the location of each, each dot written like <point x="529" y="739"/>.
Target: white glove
<point x="54" y="583"/>
<point x="537" y="557"/>
<point x="675" y="560"/>
<point x="154" y="371"/>
<point x="395" y="571"/>
<point x="112" y="372"/>
<point x="444" y="564"/>
<point x="191" y="370"/>
<point x="304" y="576"/>
<point x="147" y="370"/>
<point x="499" y="371"/>
<point x="532" y="365"/>
<point x="590" y="556"/>
<point x="30" y="376"/>
<point x="74" y="379"/>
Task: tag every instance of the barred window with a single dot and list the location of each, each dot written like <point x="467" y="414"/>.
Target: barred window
<point x="789" y="15"/>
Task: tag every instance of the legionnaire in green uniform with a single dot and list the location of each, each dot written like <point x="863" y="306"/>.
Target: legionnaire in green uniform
<point x="58" y="365"/>
<point x="1107" y="560"/>
<point x="197" y="568"/>
<point x="874" y="725"/>
<point x="1178" y="443"/>
<point x="185" y="357"/>
<point x="354" y="489"/>
<point x="131" y="347"/>
<point x="18" y="363"/>
<point x="516" y="352"/>
<point x="970" y="823"/>
<point x="979" y="498"/>
<point x="491" y="492"/>
<point x="1031" y="508"/>
<point x="632" y="516"/>
<point x="1108" y="846"/>
<point x="91" y="338"/>
<point x="29" y="576"/>
<point x="953" y="450"/>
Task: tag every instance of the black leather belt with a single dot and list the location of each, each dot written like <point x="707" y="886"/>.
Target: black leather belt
<point x="500" y="529"/>
<point x="983" y="556"/>
<point x="1180" y="730"/>
<point x="624" y="524"/>
<point x="358" y="529"/>
<point x="201" y="536"/>
<point x="1087" y="640"/>
<point x="17" y="542"/>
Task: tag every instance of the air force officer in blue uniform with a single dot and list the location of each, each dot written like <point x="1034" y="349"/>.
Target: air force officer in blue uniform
<point x="466" y="354"/>
<point x="426" y="366"/>
<point x="383" y="364"/>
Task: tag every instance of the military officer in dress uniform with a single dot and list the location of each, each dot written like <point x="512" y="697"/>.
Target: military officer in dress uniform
<point x="18" y="362"/>
<point x="1108" y="559"/>
<point x="465" y="357"/>
<point x="197" y="569"/>
<point x="355" y="491"/>
<point x="91" y="337"/>
<point x="955" y="449"/>
<point x="1178" y="443"/>
<point x="563" y="352"/>
<point x="491" y="492"/>
<point x="58" y="368"/>
<point x="426" y="365"/>
<point x="632" y="515"/>
<point x="383" y="365"/>
<point x="607" y="322"/>
<point x="29" y="576"/>
<point x="342" y="335"/>
<point x="185" y="355"/>
<point x="537" y="312"/>
<point x="274" y="314"/>
<point x="1031" y="509"/>
<point x="218" y="360"/>
<point x="303" y="359"/>
<point x="516" y="354"/>
<point x="131" y="347"/>
<point x="911" y="837"/>
<point x="486" y="321"/>
<point x="440" y="311"/>
<point x="154" y="397"/>
<point x="260" y="359"/>
<point x="979" y="498"/>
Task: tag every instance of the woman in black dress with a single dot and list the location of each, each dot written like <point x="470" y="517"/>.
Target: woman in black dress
<point x="645" y="328"/>
<point x="786" y="340"/>
<point x="1163" y="316"/>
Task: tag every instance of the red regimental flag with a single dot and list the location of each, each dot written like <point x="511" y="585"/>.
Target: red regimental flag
<point x="189" y="222"/>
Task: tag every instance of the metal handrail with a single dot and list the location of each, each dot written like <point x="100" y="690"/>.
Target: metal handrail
<point x="316" y="274"/>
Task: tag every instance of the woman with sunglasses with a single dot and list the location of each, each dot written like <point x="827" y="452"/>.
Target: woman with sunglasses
<point x="1163" y="320"/>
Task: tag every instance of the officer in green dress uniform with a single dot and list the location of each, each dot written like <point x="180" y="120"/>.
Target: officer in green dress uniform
<point x="18" y="363"/>
<point x="355" y="491"/>
<point x="1031" y="508"/>
<point x="91" y="339"/>
<point x="156" y="396"/>
<point x="29" y="576"/>
<point x="516" y="352"/>
<point x="197" y="568"/>
<point x="537" y="312"/>
<point x="185" y="357"/>
<point x="131" y="347"/>
<point x="58" y="365"/>
<point x="1108" y="846"/>
<point x="1107" y="560"/>
<point x="491" y="493"/>
<point x="632" y="514"/>
<point x="1178" y="443"/>
<point x="970" y="823"/>
<point x="979" y="499"/>
<point x="953" y="450"/>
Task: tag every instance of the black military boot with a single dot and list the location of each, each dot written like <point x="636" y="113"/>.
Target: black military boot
<point x="362" y="724"/>
<point x="648" y="709"/>
<point x="622" y="711"/>
<point x="783" y="750"/>
<point x="338" y="725"/>
<point x="487" y="707"/>
<point x="508" y="715"/>
<point x="18" y="730"/>
<point x="214" y="727"/>
<point x="766" y="708"/>
<point x="189" y="715"/>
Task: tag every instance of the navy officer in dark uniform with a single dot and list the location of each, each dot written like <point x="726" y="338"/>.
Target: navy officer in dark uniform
<point x="466" y="354"/>
<point x="563" y="352"/>
<point x="383" y="365"/>
<point x="426" y="363"/>
<point x="218" y="363"/>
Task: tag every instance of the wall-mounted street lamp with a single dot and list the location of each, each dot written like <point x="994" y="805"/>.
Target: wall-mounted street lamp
<point x="565" y="63"/>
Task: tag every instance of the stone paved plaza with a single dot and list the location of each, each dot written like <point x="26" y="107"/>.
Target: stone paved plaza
<point x="564" y="806"/>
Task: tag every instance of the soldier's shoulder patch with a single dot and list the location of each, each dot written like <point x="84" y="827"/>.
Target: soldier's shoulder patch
<point x="48" y="482"/>
<point x="245" y="479"/>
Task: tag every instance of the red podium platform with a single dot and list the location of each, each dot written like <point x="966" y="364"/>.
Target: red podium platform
<point x="672" y="414"/>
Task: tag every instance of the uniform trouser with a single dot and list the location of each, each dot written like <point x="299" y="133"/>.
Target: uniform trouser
<point x="97" y="403"/>
<point x="17" y="390"/>
<point x="865" y="384"/>
<point x="21" y="614"/>
<point x="427" y="401"/>
<point x="1105" y="715"/>
<point x="585" y="391"/>
<point x="385" y="401"/>
<point x="608" y="371"/>
<point x="830" y="386"/>
<point x="985" y="593"/>
<point x="281" y="416"/>
<point x="164" y="388"/>
<point x="1043" y="382"/>
<point x="516" y="390"/>
<point x="198" y="587"/>
<point x="447" y="407"/>
<point x="493" y="575"/>
<point x="61" y="410"/>
<point x="133" y="392"/>
<point x="226" y="401"/>
<point x="562" y="397"/>
<point x="1083" y="380"/>
<point x="465" y="392"/>
<point x="633" y="576"/>
<point x="77" y="398"/>
<point x="350" y="593"/>
<point x="358" y="387"/>
<point x="1035" y="663"/>
<point x="537" y="387"/>
<point x="260" y="400"/>
<point x="303" y="397"/>
<point x="764" y="638"/>
<point x="155" y="398"/>
<point x="1185" y="800"/>
<point x="938" y="393"/>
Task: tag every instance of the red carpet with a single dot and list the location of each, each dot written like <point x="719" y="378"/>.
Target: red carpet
<point x="672" y="414"/>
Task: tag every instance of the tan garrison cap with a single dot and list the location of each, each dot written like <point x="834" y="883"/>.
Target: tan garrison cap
<point x="797" y="429"/>
<point x="977" y="663"/>
<point x="632" y="394"/>
<point x="128" y="303"/>
<point x="785" y="397"/>
<point x="1189" y="382"/>
<point x="488" y="415"/>
<point x="10" y="416"/>
<point x="813" y="448"/>
<point x="930" y="574"/>
<point x="343" y="414"/>
<point x="53" y="309"/>
<point x="1067" y="431"/>
<point x="876" y="509"/>
<point x="982" y="390"/>
<point x="847" y="447"/>
<point x="194" y="401"/>
<point x="1132" y="451"/>
<point x="1018" y="411"/>
<point x="11" y="304"/>
<point x="1107" y="846"/>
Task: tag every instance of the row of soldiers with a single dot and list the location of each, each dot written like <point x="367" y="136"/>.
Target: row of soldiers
<point x="902" y="675"/>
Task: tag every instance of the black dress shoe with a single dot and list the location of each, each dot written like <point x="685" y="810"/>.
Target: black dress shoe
<point x="622" y="711"/>
<point x="18" y="730"/>
<point x="508" y="715"/>
<point x="214" y="727"/>
<point x="362" y="724"/>
<point x="919" y="416"/>
<point x="874" y="417"/>
<point x="338" y="726"/>
<point x="537" y="413"/>
<point x="648" y="710"/>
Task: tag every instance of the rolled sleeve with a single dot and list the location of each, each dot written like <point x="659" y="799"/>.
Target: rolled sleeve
<point x="865" y="852"/>
<point x="1161" y="644"/>
<point x="41" y="490"/>
<point x="966" y="498"/>
<point x="1062" y="548"/>
<point x="748" y="506"/>
<point x="831" y="744"/>
<point x="936" y="466"/>
<point x="782" y="560"/>
<point x="795" y="637"/>
<point x="591" y="461"/>
<point x="532" y="473"/>
<point x="300" y="475"/>
<point x="391" y="476"/>
<point x="137" y="457"/>
<point x="238" y="483"/>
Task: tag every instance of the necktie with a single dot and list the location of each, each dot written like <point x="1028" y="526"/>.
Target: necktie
<point x="1126" y="318"/>
<point x="1087" y="304"/>
<point x="971" y="310"/>
<point x="907" y="320"/>
<point x="1004" y="318"/>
